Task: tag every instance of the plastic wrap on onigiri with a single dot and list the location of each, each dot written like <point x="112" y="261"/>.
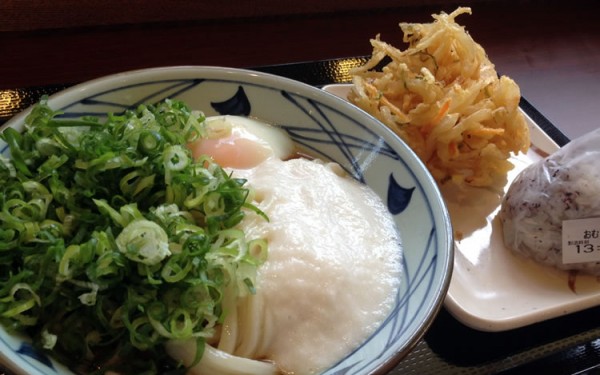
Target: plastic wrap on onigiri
<point x="562" y="186"/>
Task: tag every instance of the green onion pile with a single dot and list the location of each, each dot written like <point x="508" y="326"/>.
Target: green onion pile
<point x="113" y="239"/>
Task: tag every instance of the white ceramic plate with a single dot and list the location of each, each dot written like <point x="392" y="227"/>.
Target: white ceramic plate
<point x="492" y="289"/>
<point x="330" y="128"/>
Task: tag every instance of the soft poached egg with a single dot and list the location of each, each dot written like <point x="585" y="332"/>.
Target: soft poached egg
<point x="241" y="142"/>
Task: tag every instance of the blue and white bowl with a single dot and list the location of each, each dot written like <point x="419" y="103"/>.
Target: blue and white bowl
<point x="330" y="128"/>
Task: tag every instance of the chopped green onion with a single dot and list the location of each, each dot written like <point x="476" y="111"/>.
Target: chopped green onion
<point x="144" y="241"/>
<point x="112" y="237"/>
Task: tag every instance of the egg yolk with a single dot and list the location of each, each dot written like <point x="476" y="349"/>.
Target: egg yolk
<point x="240" y="142"/>
<point x="234" y="151"/>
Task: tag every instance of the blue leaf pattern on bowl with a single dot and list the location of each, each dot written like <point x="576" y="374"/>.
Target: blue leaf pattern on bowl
<point x="30" y="351"/>
<point x="398" y="196"/>
<point x="237" y="105"/>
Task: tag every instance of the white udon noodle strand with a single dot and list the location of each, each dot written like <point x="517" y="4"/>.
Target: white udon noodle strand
<point x="250" y="324"/>
<point x="242" y="338"/>
<point x="215" y="361"/>
<point x="242" y="328"/>
<point x="229" y="330"/>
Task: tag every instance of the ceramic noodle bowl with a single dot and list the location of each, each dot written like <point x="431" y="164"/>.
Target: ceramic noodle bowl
<point x="326" y="127"/>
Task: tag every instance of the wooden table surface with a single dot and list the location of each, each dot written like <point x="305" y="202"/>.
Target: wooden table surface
<point x="550" y="48"/>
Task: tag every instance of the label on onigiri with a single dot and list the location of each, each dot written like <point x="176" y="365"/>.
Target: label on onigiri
<point x="581" y="240"/>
